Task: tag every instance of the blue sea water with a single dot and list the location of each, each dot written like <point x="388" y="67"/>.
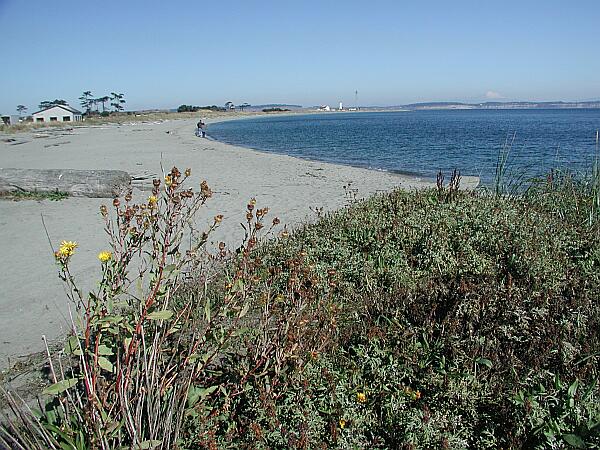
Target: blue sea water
<point x="424" y="142"/>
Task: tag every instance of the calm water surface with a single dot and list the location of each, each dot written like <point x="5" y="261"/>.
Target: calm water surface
<point x="424" y="142"/>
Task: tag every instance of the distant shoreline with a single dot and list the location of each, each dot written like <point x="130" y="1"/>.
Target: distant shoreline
<point x="495" y="105"/>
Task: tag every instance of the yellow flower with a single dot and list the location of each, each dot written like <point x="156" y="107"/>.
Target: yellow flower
<point x="104" y="256"/>
<point x="152" y="200"/>
<point x="168" y="180"/>
<point x="66" y="249"/>
<point x="188" y="172"/>
<point x="342" y="424"/>
<point x="361" y="397"/>
<point x="253" y="201"/>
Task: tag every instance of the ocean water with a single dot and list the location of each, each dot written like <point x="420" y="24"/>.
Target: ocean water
<point x="424" y="142"/>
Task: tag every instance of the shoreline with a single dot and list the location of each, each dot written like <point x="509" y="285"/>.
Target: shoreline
<point x="34" y="302"/>
<point x="472" y="181"/>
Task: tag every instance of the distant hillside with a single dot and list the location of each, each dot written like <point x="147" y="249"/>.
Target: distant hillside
<point x="503" y="105"/>
<point x="276" y="105"/>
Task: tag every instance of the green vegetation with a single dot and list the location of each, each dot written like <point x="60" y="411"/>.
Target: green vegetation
<point x="116" y="101"/>
<point x="190" y="108"/>
<point x="267" y="110"/>
<point x="90" y="103"/>
<point x="435" y="319"/>
<point x="48" y="103"/>
<point x="28" y="195"/>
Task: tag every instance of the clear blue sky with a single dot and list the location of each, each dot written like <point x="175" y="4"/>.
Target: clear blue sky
<point x="165" y="53"/>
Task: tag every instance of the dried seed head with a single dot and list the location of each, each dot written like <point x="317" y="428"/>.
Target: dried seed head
<point x="128" y="197"/>
<point x="156" y="182"/>
<point x="116" y="202"/>
<point x="188" y="172"/>
<point x="249" y="216"/>
<point x="276" y="221"/>
<point x="205" y="190"/>
<point x="218" y="218"/>
<point x="103" y="210"/>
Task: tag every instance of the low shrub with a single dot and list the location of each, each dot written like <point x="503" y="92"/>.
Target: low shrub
<point x="433" y="319"/>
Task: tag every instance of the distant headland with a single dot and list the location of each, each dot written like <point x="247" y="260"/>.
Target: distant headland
<point x="499" y="105"/>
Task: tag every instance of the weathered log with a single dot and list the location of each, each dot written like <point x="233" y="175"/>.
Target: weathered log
<point x="77" y="183"/>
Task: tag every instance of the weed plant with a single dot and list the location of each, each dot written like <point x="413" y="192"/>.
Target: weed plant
<point x="433" y="319"/>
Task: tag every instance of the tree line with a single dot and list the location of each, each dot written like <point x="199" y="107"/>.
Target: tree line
<point x="226" y="107"/>
<point x="89" y="102"/>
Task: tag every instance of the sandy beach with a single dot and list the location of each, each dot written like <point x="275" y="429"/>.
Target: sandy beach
<point x="33" y="301"/>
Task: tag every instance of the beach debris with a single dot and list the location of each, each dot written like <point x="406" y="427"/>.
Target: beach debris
<point x="56" y="144"/>
<point x="76" y="183"/>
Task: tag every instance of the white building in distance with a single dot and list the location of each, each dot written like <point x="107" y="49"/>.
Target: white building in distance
<point x="57" y="113"/>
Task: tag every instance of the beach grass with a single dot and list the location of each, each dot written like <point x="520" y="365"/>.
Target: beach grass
<point x="37" y="196"/>
<point x="430" y="319"/>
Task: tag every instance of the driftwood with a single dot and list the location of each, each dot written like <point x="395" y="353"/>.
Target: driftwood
<point x="77" y="183"/>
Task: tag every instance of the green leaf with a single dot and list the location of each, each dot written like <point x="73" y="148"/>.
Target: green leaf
<point x="573" y="440"/>
<point x="573" y="389"/>
<point x="160" y="315"/>
<point x="105" y="364"/>
<point x="61" y="386"/>
<point x="244" y="310"/>
<point x="197" y="393"/>
<point x="238" y="286"/>
<point x="168" y="270"/>
<point x="207" y="310"/>
<point x="240" y="332"/>
<point x="72" y="345"/>
<point x="110" y="319"/>
<point x="485" y="362"/>
<point x="104" y="350"/>
<point x="149" y="444"/>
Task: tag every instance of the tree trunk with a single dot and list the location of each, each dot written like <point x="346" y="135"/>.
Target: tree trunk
<point x="77" y="183"/>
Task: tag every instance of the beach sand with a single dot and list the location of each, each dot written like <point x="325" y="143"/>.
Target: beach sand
<point x="32" y="298"/>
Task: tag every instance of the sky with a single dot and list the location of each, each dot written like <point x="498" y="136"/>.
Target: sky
<point x="161" y="54"/>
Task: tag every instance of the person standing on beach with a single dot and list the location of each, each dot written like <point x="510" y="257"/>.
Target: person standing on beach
<point x="201" y="126"/>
